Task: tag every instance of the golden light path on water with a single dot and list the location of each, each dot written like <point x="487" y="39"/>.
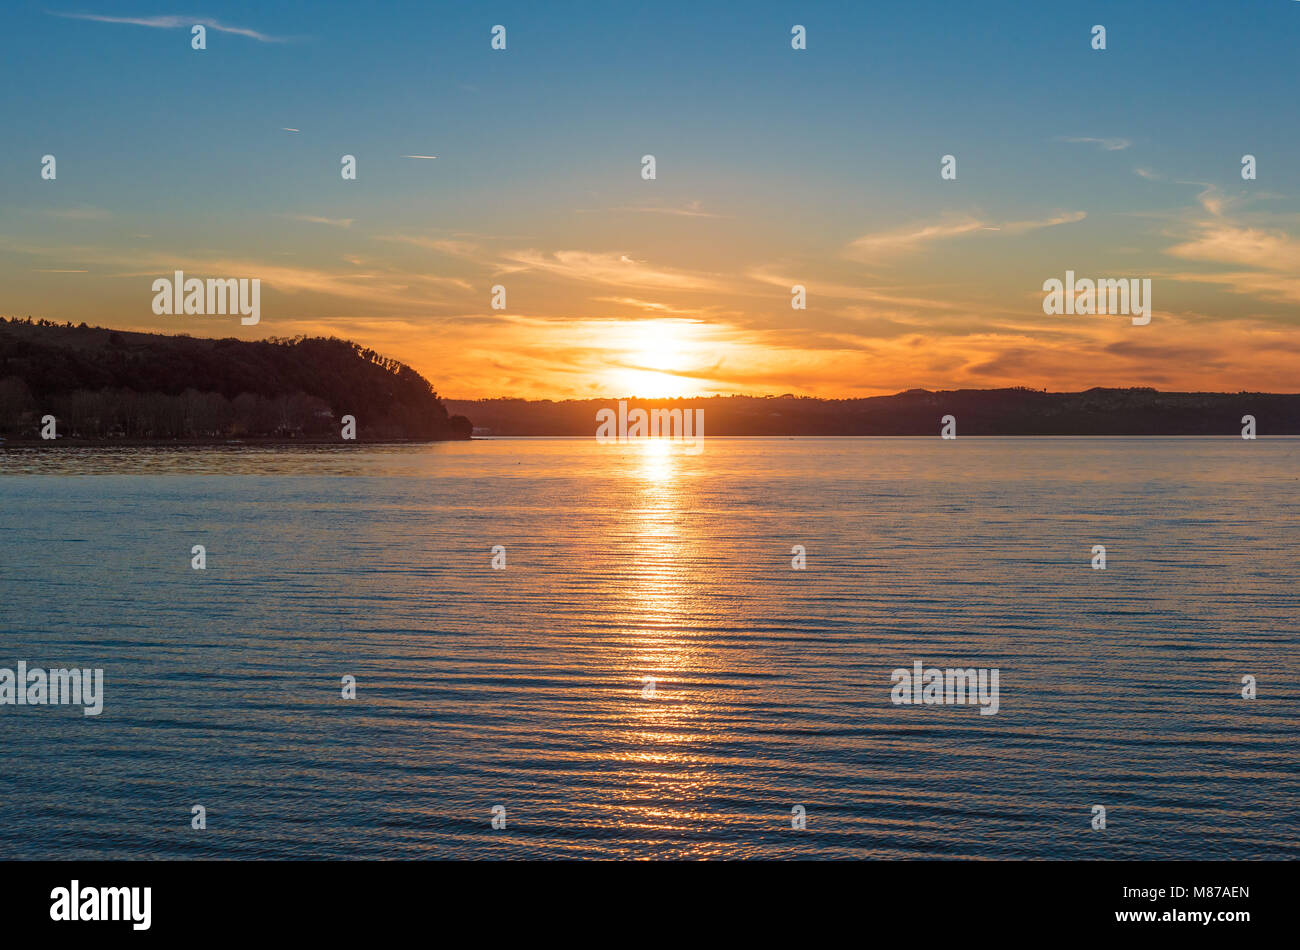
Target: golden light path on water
<point x="665" y="720"/>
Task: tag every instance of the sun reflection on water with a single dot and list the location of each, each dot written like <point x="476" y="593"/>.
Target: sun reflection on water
<point x="662" y="779"/>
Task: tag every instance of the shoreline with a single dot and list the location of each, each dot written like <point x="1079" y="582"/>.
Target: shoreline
<point x="202" y="443"/>
<point x="65" y="443"/>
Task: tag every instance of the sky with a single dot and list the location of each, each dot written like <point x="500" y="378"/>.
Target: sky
<point x="773" y="167"/>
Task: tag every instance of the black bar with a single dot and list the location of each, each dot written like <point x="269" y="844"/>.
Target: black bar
<point x="653" y="901"/>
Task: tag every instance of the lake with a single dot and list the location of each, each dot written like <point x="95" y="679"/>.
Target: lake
<point x="525" y="689"/>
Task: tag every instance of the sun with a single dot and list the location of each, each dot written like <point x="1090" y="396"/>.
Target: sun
<point x="651" y="356"/>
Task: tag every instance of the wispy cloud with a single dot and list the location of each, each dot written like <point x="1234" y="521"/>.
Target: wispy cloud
<point x="901" y="240"/>
<point x="647" y="305"/>
<point x="912" y="238"/>
<point x="1264" y="260"/>
<point x="608" y="268"/>
<point x="316" y="219"/>
<point x="174" y="23"/>
<point x="1021" y="227"/>
<point x="692" y="210"/>
<point x="383" y="286"/>
<point x="1210" y="198"/>
<point x="466" y="249"/>
<point x="840" y="291"/>
<point x="1108" y="145"/>
<point x="1272" y="259"/>
<point x="420" y="156"/>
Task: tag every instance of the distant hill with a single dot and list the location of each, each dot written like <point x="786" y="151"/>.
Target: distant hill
<point x="104" y="384"/>
<point x="918" y="411"/>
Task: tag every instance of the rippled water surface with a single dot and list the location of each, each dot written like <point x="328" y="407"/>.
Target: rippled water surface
<point x="524" y="687"/>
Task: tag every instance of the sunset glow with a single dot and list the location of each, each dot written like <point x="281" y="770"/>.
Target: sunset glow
<point x="774" y="171"/>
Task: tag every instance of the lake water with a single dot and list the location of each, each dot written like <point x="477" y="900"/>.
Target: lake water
<point x="525" y="687"/>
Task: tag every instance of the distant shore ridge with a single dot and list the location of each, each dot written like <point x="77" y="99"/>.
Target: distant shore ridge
<point x="989" y="412"/>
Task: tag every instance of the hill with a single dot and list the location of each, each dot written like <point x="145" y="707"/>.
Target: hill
<point x="918" y="411"/>
<point x="102" y="384"/>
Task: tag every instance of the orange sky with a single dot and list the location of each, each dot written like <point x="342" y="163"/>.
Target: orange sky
<point x="951" y="303"/>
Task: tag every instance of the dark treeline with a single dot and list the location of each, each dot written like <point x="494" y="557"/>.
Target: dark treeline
<point x="102" y="384"/>
<point x="1017" y="411"/>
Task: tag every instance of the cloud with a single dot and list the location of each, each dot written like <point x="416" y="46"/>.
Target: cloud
<point x="707" y="373"/>
<point x="420" y="156"/>
<point x="1271" y="256"/>
<point x="605" y="268"/>
<point x="912" y="238"/>
<point x="383" y="287"/>
<point x="1022" y="227"/>
<point x="1211" y="199"/>
<point x="174" y="23"/>
<point x="1108" y="145"/>
<point x="1201" y="355"/>
<point x="609" y="268"/>
<point x="1254" y="247"/>
<point x="465" y="249"/>
<point x="1280" y="288"/>
<point x="315" y="219"/>
<point x="647" y="305"/>
<point x="849" y="292"/>
<point x="692" y="210"/>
